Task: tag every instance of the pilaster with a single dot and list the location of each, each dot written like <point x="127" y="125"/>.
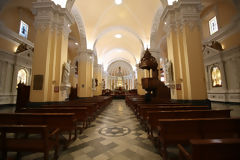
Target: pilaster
<point x="50" y="52"/>
<point x="182" y="25"/>
<point x="85" y="73"/>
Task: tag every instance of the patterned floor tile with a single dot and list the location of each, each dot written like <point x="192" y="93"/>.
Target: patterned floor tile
<point x="115" y="135"/>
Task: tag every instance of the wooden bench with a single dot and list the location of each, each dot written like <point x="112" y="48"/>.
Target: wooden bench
<point x="92" y="108"/>
<point x="44" y="142"/>
<point x="211" y="149"/>
<point x="180" y="131"/>
<point x="153" y="116"/>
<point x="80" y="112"/>
<point x="142" y="113"/>
<point x="66" y="122"/>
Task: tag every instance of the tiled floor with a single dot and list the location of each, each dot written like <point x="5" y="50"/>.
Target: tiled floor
<point x="114" y="135"/>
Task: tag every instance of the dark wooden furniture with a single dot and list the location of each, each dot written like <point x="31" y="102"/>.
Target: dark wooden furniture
<point x="153" y="116"/>
<point x="46" y="140"/>
<point x="80" y="112"/>
<point x="211" y="149"/>
<point x="23" y="93"/>
<point x="66" y="122"/>
<point x="180" y="131"/>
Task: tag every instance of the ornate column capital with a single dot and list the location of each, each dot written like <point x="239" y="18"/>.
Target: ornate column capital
<point x="86" y="55"/>
<point x="184" y="12"/>
<point x="47" y="14"/>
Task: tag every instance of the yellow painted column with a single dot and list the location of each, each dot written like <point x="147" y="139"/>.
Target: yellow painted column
<point x="194" y="65"/>
<point x="173" y="57"/>
<point x="182" y="24"/>
<point x="85" y="74"/>
<point x="140" y="75"/>
<point x="99" y="77"/>
<point x="50" y="52"/>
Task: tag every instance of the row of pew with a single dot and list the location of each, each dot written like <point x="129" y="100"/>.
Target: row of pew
<point x="199" y="132"/>
<point x="38" y="128"/>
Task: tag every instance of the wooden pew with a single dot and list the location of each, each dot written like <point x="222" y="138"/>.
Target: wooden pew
<point x="66" y="122"/>
<point x="211" y="149"/>
<point x="91" y="108"/>
<point x="80" y="112"/>
<point x="180" y="131"/>
<point x="142" y="113"/>
<point x="46" y="141"/>
<point x="153" y="116"/>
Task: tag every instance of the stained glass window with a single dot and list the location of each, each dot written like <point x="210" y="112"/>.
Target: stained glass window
<point x="216" y="77"/>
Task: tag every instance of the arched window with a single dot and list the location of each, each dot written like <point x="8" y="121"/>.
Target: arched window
<point x="216" y="77"/>
<point x="22" y="76"/>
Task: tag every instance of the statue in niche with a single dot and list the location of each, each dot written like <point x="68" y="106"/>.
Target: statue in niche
<point x="66" y="72"/>
<point x="168" y="71"/>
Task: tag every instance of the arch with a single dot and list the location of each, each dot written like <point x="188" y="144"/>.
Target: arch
<point x="155" y="24"/>
<point x="81" y="28"/>
<point x="22" y="76"/>
<point x="113" y="67"/>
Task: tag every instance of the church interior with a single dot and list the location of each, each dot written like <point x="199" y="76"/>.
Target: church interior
<point x="120" y="79"/>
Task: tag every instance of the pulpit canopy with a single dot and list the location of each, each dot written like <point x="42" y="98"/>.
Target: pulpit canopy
<point x="148" y="61"/>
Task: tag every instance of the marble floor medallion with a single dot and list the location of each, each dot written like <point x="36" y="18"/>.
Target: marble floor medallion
<point x="114" y="131"/>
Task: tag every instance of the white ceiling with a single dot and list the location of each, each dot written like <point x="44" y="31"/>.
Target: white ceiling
<point x="103" y="19"/>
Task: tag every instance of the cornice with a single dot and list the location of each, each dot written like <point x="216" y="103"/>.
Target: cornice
<point x="49" y="15"/>
<point x="184" y="12"/>
<point x="224" y="32"/>
<point x="13" y="36"/>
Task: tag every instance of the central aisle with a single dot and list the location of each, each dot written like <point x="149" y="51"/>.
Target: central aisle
<point x="114" y="135"/>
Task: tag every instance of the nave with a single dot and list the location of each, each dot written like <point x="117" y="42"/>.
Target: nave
<point x="115" y="135"/>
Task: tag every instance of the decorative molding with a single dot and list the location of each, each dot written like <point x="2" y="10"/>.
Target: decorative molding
<point x="224" y="32"/>
<point x="13" y="36"/>
<point x="85" y="55"/>
<point x="184" y="12"/>
<point x="49" y="15"/>
<point x="80" y="25"/>
<point x="228" y="62"/>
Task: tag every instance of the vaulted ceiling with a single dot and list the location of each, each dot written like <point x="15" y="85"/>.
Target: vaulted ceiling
<point x="118" y="31"/>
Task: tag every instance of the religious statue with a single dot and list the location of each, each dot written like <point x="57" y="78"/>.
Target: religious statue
<point x="168" y="71"/>
<point x="66" y="72"/>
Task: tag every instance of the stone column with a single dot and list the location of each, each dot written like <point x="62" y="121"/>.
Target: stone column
<point x="85" y="74"/>
<point x="182" y="21"/>
<point x="50" y="51"/>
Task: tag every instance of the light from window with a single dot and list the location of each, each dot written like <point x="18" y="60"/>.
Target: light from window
<point x="22" y="76"/>
<point x="62" y="3"/>
<point x="213" y="26"/>
<point x="23" y="30"/>
<point x="118" y="2"/>
<point x="170" y="2"/>
<point x="216" y="77"/>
